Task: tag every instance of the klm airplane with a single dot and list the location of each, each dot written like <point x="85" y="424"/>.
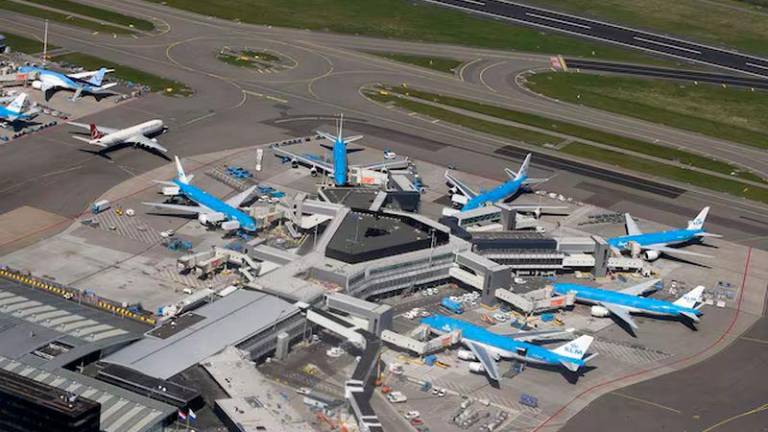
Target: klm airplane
<point x="654" y="244"/>
<point x="49" y="81"/>
<point x="630" y="300"/>
<point x="488" y="347"/>
<point x="464" y="197"/>
<point x="339" y="168"/>
<point x="209" y="209"/>
<point x="15" y="110"/>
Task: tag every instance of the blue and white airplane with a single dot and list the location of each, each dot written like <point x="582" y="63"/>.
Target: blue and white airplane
<point x="630" y="300"/>
<point x="49" y="81"/>
<point x="209" y="209"/>
<point x="14" y="111"/>
<point x="488" y="347"/>
<point x="652" y="245"/>
<point x="339" y="167"/>
<point x="466" y="198"/>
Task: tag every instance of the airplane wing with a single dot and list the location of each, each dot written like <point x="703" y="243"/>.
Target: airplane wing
<point x="489" y="364"/>
<point x="534" y="335"/>
<point x="621" y="313"/>
<point x="632" y="228"/>
<point x="540" y="209"/>
<point x="86" y="74"/>
<point x="182" y="208"/>
<point x="390" y="164"/>
<point x="325" y="166"/>
<point x="464" y="189"/>
<point x="674" y="251"/>
<point x="238" y="199"/>
<point x="103" y="129"/>
<point x="640" y="288"/>
<point x="142" y="141"/>
<point x="533" y="181"/>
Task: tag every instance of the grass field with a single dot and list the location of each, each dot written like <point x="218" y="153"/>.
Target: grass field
<point x="440" y="64"/>
<point x="407" y="20"/>
<point x="713" y="22"/>
<point x="637" y="164"/>
<point x="154" y="82"/>
<point x="60" y="17"/>
<point x="98" y="13"/>
<point x="734" y="114"/>
<point x="23" y="44"/>
<point x="586" y="133"/>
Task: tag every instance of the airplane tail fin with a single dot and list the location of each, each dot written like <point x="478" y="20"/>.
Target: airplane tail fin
<point x="692" y="297"/>
<point x="98" y="77"/>
<point x="698" y="223"/>
<point x="17" y="105"/>
<point x="575" y="348"/>
<point x="180" y="172"/>
<point x="95" y="133"/>
<point x="523" y="172"/>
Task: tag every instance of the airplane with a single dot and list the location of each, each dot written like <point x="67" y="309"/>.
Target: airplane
<point x="209" y="209"/>
<point x="140" y="135"/>
<point x="652" y="245"/>
<point x="468" y="199"/>
<point x="339" y="168"/>
<point x="630" y="300"/>
<point x="487" y="347"/>
<point x="83" y="82"/>
<point x="15" y="109"/>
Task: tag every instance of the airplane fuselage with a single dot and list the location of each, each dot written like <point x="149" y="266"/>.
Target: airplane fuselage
<point x="209" y="201"/>
<point x="340" y="162"/>
<point x="501" y="192"/>
<point x="148" y="129"/>
<point x="671" y="237"/>
<point x="499" y="345"/>
<point x="10" y="115"/>
<point x="590" y="295"/>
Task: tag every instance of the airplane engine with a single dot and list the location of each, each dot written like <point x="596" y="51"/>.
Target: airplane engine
<point x="37" y="84"/>
<point x="453" y="189"/>
<point x="294" y="163"/>
<point x="313" y="172"/>
<point x="465" y="355"/>
<point x="599" y="312"/>
<point x="651" y="255"/>
<point x="210" y="218"/>
<point x="230" y="225"/>
<point x="476" y="367"/>
<point x="170" y="190"/>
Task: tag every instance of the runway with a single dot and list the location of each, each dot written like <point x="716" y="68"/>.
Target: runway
<point x="614" y="34"/>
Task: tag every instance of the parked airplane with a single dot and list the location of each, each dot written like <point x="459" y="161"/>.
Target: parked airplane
<point x="209" y="209"/>
<point x="15" y="110"/>
<point x="630" y="300"/>
<point x="339" y="168"/>
<point x="467" y="199"/>
<point x="654" y="244"/>
<point x="488" y="347"/>
<point x="140" y="135"/>
<point x="83" y="82"/>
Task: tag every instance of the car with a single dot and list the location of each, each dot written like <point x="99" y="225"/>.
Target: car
<point x="397" y="397"/>
<point x="303" y="390"/>
<point x="412" y="414"/>
<point x="389" y="154"/>
<point x="167" y="233"/>
<point x="442" y="392"/>
<point x="417" y="421"/>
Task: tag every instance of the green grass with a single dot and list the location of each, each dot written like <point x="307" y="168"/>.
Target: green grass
<point x="713" y="22"/>
<point x="504" y="131"/>
<point x="682" y="175"/>
<point x="154" y="82"/>
<point x="405" y="20"/>
<point x="98" y="13"/>
<point x="637" y="164"/>
<point x="440" y="64"/>
<point x="24" y="44"/>
<point x="734" y="114"/>
<point x="574" y="130"/>
<point x="60" y="17"/>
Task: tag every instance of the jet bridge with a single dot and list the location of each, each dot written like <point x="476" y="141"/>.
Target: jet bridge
<point x="535" y="301"/>
<point x="421" y="347"/>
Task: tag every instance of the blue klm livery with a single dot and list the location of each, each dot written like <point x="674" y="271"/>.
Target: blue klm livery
<point x="630" y="300"/>
<point x="655" y="243"/>
<point x="210" y="210"/>
<point x="15" y="110"/>
<point x="488" y="347"/>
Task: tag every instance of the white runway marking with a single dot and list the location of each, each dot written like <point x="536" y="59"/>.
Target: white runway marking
<point x="665" y="44"/>
<point x="558" y="20"/>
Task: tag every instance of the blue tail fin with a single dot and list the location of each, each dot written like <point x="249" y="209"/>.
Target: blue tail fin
<point x="98" y="77"/>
